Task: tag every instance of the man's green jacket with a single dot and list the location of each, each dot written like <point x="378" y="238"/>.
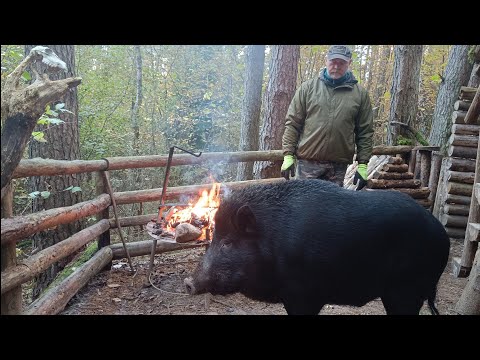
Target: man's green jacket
<point x="325" y="122"/>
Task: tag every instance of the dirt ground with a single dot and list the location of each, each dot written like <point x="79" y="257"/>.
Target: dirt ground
<point x="118" y="292"/>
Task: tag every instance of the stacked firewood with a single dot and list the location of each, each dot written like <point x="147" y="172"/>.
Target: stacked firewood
<point x="457" y="175"/>
<point x="394" y="175"/>
<point x="374" y="163"/>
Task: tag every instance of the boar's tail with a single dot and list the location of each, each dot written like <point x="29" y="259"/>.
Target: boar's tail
<point x="431" y="302"/>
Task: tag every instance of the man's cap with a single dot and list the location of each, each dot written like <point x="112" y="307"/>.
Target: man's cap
<point x="339" y="52"/>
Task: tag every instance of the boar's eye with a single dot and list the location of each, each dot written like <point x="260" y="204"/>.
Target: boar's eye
<point x="226" y="245"/>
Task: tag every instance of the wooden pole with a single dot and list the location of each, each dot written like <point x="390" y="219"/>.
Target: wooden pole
<point x="101" y="188"/>
<point x="465" y="129"/>
<point x="425" y="164"/>
<point x="20" y="227"/>
<point x="41" y="261"/>
<point x="44" y="167"/>
<point x="55" y="300"/>
<point x="434" y="176"/>
<point x="106" y="180"/>
<point x="141" y="248"/>
<point x="11" y="303"/>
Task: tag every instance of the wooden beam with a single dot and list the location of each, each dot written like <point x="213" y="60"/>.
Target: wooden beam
<point x="41" y="261"/>
<point x="456" y="233"/>
<point x="461" y="177"/>
<point x="55" y="300"/>
<point x="140" y="248"/>
<point x="457" y="199"/>
<point x="20" y="227"/>
<point x="49" y="167"/>
<point x="465" y="129"/>
<point x="388" y="184"/>
<point x="461" y="105"/>
<point x="456" y="164"/>
<point x="459" y="189"/>
<point x="421" y="193"/>
<point x="129" y="197"/>
<point x="462" y="152"/>
<point x="463" y="140"/>
<point x="467" y="93"/>
<point x="454" y="209"/>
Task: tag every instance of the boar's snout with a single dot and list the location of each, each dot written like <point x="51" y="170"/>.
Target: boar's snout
<point x="189" y="285"/>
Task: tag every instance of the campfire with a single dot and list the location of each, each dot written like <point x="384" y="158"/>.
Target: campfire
<point x="193" y="221"/>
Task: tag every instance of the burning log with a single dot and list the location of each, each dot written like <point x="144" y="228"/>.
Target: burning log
<point x="186" y="232"/>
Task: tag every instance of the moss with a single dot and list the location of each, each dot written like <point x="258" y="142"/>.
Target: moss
<point x="401" y="140"/>
<point x="70" y="268"/>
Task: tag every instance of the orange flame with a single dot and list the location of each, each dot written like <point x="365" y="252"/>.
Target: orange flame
<point x="200" y="214"/>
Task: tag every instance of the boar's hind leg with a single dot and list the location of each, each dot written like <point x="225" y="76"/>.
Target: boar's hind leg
<point x="302" y="307"/>
<point x="402" y="303"/>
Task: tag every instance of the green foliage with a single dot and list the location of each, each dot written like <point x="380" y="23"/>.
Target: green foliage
<point x="421" y="139"/>
<point x="401" y="140"/>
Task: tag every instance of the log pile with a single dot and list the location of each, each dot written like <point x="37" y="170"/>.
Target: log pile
<point x="394" y="175"/>
<point x="457" y="175"/>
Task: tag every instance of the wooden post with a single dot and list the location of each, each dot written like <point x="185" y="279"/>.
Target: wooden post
<point x="101" y="188"/>
<point x="425" y="164"/>
<point x="11" y="300"/>
<point x="434" y="175"/>
<point x="441" y="190"/>
<point x="104" y="238"/>
<point x="411" y="161"/>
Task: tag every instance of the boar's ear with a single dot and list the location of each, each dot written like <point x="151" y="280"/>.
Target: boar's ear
<point x="244" y="220"/>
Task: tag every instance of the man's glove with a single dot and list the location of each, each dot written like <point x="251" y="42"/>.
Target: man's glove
<point x="288" y="166"/>
<point x="360" y="176"/>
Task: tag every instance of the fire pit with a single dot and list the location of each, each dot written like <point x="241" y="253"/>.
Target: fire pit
<point x="188" y="222"/>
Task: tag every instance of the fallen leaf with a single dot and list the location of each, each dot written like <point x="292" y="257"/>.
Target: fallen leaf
<point x="113" y="285"/>
<point x="116" y="299"/>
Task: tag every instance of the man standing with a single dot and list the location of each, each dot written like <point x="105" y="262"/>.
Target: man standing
<point x="328" y="117"/>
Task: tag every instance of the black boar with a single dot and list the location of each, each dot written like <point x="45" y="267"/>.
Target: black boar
<point x="307" y="243"/>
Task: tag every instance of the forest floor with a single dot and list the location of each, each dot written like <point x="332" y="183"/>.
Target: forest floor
<point x="118" y="292"/>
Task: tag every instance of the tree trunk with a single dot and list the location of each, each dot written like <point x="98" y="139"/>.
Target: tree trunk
<point x="279" y="93"/>
<point x="457" y="73"/>
<point x="469" y="302"/>
<point x="475" y="74"/>
<point x="63" y="144"/>
<point x="138" y="99"/>
<point x="378" y="102"/>
<point x="405" y="88"/>
<point x="252" y="102"/>
<point x="11" y="300"/>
